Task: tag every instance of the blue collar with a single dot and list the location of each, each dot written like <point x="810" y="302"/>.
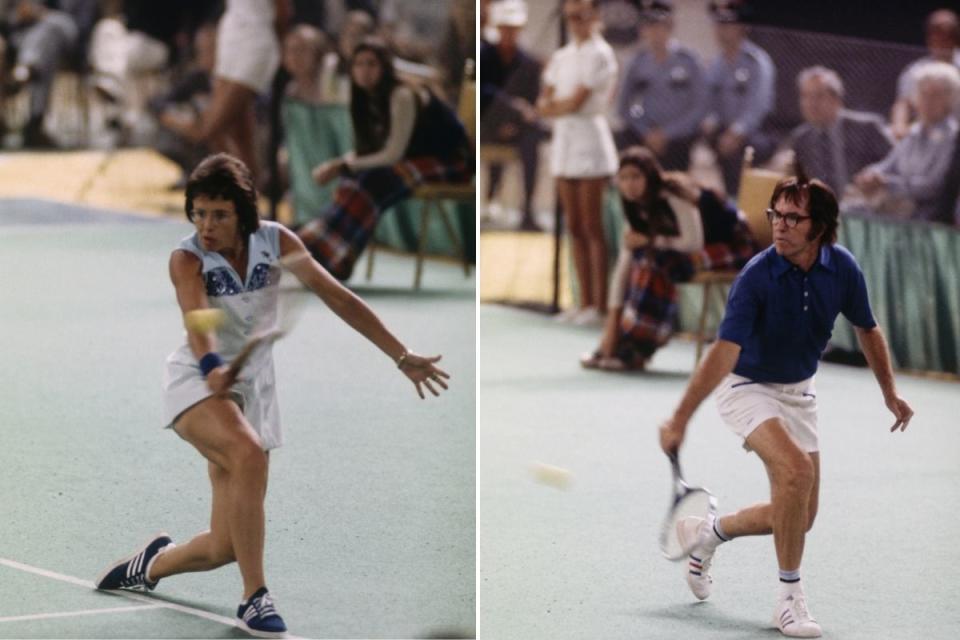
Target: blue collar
<point x="781" y="265"/>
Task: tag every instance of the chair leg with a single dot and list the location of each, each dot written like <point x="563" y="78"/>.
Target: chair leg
<point x="454" y="239"/>
<point x="702" y="327"/>
<point x="371" y="249"/>
<point x="422" y="248"/>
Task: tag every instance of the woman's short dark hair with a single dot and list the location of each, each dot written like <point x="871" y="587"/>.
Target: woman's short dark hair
<point x="819" y="201"/>
<point x="644" y="160"/>
<point x="223" y="176"/>
<point x="370" y="112"/>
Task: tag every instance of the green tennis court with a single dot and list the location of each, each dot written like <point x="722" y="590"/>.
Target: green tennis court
<point x="584" y="562"/>
<point x="371" y="504"/>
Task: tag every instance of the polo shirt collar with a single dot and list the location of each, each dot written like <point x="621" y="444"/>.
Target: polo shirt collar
<point x="781" y="265"/>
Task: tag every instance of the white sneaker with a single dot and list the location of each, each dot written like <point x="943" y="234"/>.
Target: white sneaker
<point x="690" y="531"/>
<point x="588" y="317"/>
<point x="567" y="316"/>
<point x="793" y="619"/>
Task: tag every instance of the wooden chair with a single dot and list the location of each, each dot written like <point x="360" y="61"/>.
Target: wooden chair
<point x="756" y="187"/>
<point x="432" y="195"/>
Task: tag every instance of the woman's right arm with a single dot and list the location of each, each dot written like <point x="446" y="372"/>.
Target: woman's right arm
<point x="187" y="277"/>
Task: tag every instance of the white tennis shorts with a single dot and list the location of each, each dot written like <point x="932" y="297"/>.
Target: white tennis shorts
<point x="744" y="405"/>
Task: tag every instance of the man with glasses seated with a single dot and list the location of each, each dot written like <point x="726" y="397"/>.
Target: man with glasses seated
<point x="779" y="317"/>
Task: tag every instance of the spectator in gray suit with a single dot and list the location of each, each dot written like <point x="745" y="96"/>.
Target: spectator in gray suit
<point x="834" y="143"/>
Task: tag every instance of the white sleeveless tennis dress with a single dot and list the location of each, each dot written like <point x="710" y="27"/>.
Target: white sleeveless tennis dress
<point x="247" y="49"/>
<point x="250" y="305"/>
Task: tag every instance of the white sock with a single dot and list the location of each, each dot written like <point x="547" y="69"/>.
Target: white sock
<point x="790" y="583"/>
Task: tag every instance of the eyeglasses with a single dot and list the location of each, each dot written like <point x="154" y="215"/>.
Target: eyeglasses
<point x="199" y="216"/>
<point x="789" y="219"/>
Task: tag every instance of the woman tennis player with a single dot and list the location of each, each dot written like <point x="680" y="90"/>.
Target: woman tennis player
<point x="232" y="263"/>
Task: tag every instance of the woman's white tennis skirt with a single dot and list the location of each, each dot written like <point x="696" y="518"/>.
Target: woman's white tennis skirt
<point x="184" y="386"/>
<point x="744" y="405"/>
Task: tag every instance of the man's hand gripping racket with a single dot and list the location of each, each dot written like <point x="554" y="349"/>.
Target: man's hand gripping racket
<point x="685" y="501"/>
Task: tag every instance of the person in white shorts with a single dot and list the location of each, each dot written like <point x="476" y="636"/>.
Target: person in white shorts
<point x="248" y="55"/>
<point x="778" y="319"/>
<point x="232" y="263"/>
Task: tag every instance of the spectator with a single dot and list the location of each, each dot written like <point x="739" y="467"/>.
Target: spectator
<point x="248" y="54"/>
<point x="834" y="143"/>
<point x="42" y="39"/>
<point x="663" y="222"/>
<point x="307" y="58"/>
<point x="577" y="86"/>
<point x="663" y="97"/>
<point x="910" y="180"/>
<point x="404" y="136"/>
<point x="741" y="81"/>
<point x="674" y="227"/>
<point x="184" y="103"/>
<point x="943" y="45"/>
<point x="315" y="116"/>
<point x="509" y="86"/>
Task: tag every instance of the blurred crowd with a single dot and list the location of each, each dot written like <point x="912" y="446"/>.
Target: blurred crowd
<point x="188" y="77"/>
<point x="902" y="160"/>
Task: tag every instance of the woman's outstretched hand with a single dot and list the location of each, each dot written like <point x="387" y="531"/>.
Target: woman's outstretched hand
<point x="422" y="370"/>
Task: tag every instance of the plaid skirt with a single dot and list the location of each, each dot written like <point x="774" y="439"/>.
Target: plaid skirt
<point x="650" y="300"/>
<point x="337" y="238"/>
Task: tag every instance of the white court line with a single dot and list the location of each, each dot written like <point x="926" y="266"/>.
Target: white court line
<point x="83" y="612"/>
<point x="200" y="613"/>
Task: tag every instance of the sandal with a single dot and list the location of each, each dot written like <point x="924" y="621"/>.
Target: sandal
<point x="611" y="364"/>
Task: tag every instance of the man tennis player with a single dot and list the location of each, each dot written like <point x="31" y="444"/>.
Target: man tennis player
<point x="779" y="316"/>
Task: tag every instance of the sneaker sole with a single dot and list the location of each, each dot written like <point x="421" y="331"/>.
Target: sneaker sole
<point x="127" y="559"/>
<point x="260" y="634"/>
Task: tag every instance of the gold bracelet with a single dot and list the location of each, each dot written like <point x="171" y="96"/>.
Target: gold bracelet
<point x="402" y="359"/>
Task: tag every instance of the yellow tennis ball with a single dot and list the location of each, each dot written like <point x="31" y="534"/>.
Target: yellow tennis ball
<point x="203" y="320"/>
<point x="556" y="477"/>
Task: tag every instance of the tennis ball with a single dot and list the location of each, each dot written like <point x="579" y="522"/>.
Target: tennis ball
<point x="556" y="477"/>
<point x="203" y="320"/>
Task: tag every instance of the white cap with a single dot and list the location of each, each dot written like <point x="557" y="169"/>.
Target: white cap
<point x="508" y="13"/>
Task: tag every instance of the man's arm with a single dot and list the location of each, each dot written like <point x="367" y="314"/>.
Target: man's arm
<point x="874" y="347"/>
<point x="719" y="361"/>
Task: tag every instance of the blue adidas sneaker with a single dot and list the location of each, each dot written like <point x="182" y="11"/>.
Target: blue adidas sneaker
<point x="258" y="617"/>
<point x="131" y="572"/>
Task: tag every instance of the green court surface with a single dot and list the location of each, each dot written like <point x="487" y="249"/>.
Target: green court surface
<point x="371" y="504"/>
<point x="584" y="562"/>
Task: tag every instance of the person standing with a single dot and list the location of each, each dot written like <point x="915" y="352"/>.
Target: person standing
<point x="778" y="319"/>
<point x="663" y="96"/>
<point x="741" y="80"/>
<point x="578" y="84"/>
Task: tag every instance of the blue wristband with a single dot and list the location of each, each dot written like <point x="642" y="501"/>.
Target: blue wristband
<point x="209" y="362"/>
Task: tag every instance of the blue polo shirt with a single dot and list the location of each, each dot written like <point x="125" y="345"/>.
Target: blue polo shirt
<point x="782" y="316"/>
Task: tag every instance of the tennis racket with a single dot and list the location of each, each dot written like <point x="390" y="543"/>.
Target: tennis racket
<point x="290" y="296"/>
<point x="686" y="501"/>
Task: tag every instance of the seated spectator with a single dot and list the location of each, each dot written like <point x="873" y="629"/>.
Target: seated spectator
<point x="741" y="80"/>
<point x="909" y="181"/>
<point x="404" y="136"/>
<point x="41" y="39"/>
<point x="315" y="116"/>
<point x="307" y="58"/>
<point x="943" y="45"/>
<point x="834" y="143"/>
<point x="663" y="95"/>
<point x="509" y="86"/>
<point x="183" y="105"/>
<point x="673" y="228"/>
